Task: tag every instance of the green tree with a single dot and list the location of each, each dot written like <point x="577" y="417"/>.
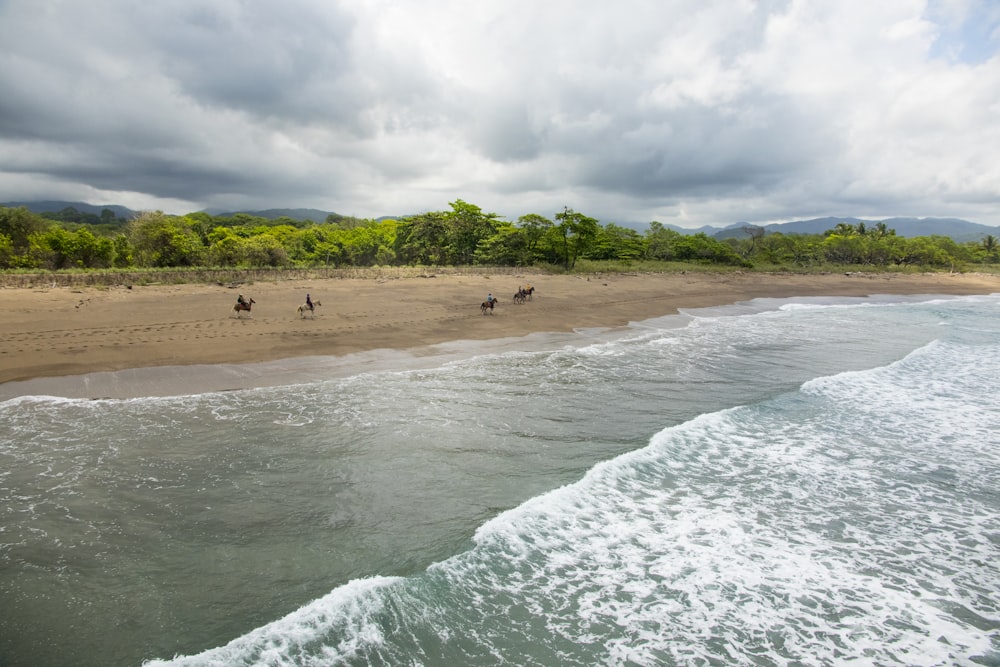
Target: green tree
<point x="264" y="250"/>
<point x="7" y="254"/>
<point x="78" y="249"/>
<point x="535" y="228"/>
<point x="360" y="246"/>
<point x="933" y="251"/>
<point x="18" y="224"/>
<point x="922" y="251"/>
<point x="122" y="252"/>
<point x="53" y="249"/>
<point x="616" y="242"/>
<point x="368" y="244"/>
<point x="576" y="233"/>
<point x="882" y="230"/>
<point x="704" y="249"/>
<point x="202" y="224"/>
<point x="842" y="229"/>
<point x="660" y="242"/>
<point x="162" y="240"/>
<point x="423" y="239"/>
<point x="755" y="234"/>
<point x="288" y="237"/>
<point x="225" y="247"/>
<point x="843" y="248"/>
<point x="507" y="247"/>
<point x="778" y="248"/>
<point x="467" y="226"/>
<point x="989" y="248"/>
<point x="94" y="251"/>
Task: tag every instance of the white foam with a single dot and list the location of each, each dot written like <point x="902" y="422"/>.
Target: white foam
<point x="347" y="610"/>
<point x="734" y="524"/>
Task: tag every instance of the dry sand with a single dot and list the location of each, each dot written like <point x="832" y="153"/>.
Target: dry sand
<point x="59" y="332"/>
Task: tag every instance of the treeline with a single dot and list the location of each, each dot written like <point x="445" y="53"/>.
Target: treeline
<point x="465" y="235"/>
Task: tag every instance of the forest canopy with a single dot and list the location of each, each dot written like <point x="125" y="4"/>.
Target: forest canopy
<point x="464" y="235"/>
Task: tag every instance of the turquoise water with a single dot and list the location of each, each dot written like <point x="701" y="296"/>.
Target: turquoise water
<point x="805" y="481"/>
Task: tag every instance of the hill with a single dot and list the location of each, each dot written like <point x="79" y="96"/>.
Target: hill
<point x="300" y="214"/>
<point x="54" y="206"/>
<point x="957" y="229"/>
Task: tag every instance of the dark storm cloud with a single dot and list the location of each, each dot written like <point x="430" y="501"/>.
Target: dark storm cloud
<point x="268" y="63"/>
<point x="684" y="110"/>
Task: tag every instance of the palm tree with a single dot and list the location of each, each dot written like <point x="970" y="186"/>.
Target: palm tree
<point x="844" y="229"/>
<point x="990" y="244"/>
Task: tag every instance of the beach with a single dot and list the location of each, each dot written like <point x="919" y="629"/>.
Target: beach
<point x="730" y="484"/>
<point x="56" y="338"/>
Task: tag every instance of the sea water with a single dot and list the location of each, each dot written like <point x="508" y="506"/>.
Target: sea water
<point x="779" y="482"/>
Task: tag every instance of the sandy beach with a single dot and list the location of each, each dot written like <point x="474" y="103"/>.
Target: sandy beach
<point x="54" y="337"/>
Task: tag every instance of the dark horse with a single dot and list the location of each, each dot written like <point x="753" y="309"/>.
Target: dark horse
<point x="522" y="295"/>
<point x="243" y="306"/>
<point x="487" y="306"/>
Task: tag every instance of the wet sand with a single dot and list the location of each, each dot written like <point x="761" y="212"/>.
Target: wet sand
<point x="161" y="339"/>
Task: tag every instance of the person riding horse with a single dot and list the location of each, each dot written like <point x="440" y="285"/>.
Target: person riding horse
<point x="487" y="306"/>
<point x="309" y="303"/>
<point x="242" y="304"/>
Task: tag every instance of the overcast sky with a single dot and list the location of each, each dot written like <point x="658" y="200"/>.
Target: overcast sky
<point x="688" y="112"/>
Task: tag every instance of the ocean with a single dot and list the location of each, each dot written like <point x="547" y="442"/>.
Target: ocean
<point x="805" y="481"/>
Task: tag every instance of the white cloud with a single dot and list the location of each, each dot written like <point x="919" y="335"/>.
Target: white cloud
<point x="690" y="111"/>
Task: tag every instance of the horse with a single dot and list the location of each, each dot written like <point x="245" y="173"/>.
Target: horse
<point x="243" y="306"/>
<point x="523" y="294"/>
<point x="487" y="306"/>
<point x="305" y="308"/>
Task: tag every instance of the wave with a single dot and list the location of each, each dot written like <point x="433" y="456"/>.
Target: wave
<point x="815" y="526"/>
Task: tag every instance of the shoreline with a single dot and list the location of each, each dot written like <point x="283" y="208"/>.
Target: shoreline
<point x="120" y="342"/>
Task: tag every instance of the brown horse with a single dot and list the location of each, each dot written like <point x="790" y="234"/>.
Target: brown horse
<point x="487" y="306"/>
<point x="243" y="306"/>
<point x="523" y="294"/>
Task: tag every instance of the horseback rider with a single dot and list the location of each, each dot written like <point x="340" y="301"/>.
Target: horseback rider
<point x="241" y="301"/>
<point x="309" y="303"/>
<point x="489" y="298"/>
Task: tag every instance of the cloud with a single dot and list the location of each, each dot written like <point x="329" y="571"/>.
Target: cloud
<point x="685" y="111"/>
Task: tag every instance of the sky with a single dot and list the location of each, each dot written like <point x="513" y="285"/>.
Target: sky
<point x="687" y="112"/>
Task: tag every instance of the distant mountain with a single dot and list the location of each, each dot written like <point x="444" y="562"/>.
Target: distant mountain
<point x="708" y="230"/>
<point x="299" y="214"/>
<point x="957" y="229"/>
<point x="54" y="206"/>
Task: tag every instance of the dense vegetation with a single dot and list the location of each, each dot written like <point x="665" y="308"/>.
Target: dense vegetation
<point x="462" y="236"/>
